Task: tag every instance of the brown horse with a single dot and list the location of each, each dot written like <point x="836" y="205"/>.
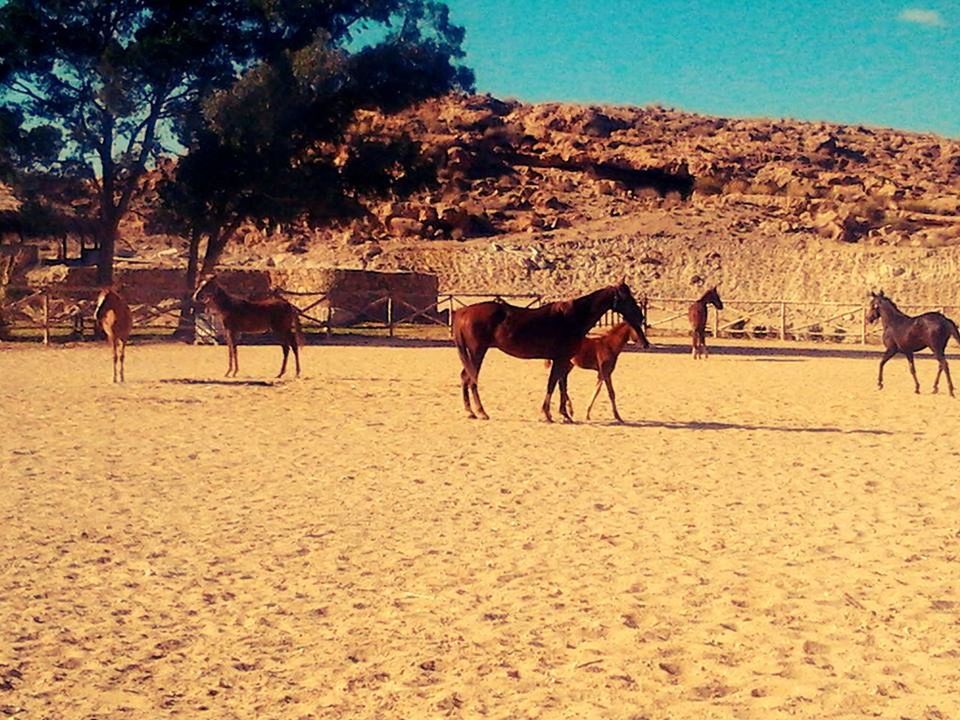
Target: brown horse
<point x="552" y="332"/>
<point x="114" y="318"/>
<point x="240" y="315"/>
<point x="698" y="320"/>
<point x="905" y="334"/>
<point x="601" y="354"/>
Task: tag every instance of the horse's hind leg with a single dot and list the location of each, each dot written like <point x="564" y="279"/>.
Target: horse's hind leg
<point x="945" y="369"/>
<point x="913" y="372"/>
<point x="465" y="386"/>
<point x="596" y="392"/>
<point x="703" y="344"/>
<point x="472" y="384"/>
<point x="123" y="357"/>
<point x="116" y="357"/>
<point x="890" y="352"/>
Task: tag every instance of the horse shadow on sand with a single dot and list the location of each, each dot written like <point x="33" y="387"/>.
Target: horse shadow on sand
<point x="228" y="383"/>
<point x="715" y="425"/>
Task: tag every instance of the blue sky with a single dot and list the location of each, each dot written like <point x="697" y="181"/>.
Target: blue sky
<point x="872" y="62"/>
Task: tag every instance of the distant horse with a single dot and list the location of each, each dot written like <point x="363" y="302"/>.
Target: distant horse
<point x="240" y="315"/>
<point x="113" y="316"/>
<point x="552" y="332"/>
<point x="601" y="354"/>
<point x="906" y="334"/>
<point x="698" y="320"/>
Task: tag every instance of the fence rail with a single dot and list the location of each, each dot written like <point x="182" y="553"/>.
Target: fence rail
<point x="67" y="314"/>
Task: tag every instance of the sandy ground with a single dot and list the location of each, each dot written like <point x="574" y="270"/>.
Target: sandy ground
<point x="769" y="537"/>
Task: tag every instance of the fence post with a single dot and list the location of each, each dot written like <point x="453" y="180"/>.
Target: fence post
<point x="716" y="323"/>
<point x="329" y="320"/>
<point x="46" y="318"/>
<point x="783" y="320"/>
<point x="390" y="313"/>
<point x="863" y="326"/>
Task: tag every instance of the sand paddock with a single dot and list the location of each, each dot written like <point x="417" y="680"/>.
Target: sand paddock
<point x="770" y="537"/>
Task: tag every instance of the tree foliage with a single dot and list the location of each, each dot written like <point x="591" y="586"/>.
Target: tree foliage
<point x="271" y="146"/>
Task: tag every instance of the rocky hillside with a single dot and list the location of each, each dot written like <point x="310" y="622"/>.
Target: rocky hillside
<point x="561" y="198"/>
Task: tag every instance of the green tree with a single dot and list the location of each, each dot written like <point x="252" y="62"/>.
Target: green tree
<point x="114" y="80"/>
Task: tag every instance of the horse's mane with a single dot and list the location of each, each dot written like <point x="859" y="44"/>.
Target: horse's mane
<point x="562" y="307"/>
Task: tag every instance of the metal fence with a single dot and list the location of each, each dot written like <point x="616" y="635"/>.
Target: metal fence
<point x="57" y="313"/>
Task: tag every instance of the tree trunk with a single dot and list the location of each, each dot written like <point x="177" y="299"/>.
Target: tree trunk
<point x="186" y="326"/>
<point x="216" y="243"/>
<point x="107" y="237"/>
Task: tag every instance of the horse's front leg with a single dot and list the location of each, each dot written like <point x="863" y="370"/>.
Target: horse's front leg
<point x="566" y="405"/>
<point x="608" y="379"/>
<point x="890" y="352"/>
<point x="231" y="355"/>
<point x="286" y="354"/>
<point x="551" y="384"/>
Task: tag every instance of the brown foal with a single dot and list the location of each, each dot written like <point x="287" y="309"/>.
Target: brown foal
<point x="697" y="314"/>
<point x="601" y="353"/>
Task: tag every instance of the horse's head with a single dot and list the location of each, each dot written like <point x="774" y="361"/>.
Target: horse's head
<point x="624" y="303"/>
<point x="638" y="337"/>
<point x="713" y="297"/>
<point x="205" y="290"/>
<point x="873" y="311"/>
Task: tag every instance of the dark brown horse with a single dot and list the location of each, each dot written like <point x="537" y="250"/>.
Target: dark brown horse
<point x="240" y="315"/>
<point x="905" y="334"/>
<point x="114" y="318"/>
<point x="601" y="354"/>
<point x="552" y="332"/>
<point x="698" y="320"/>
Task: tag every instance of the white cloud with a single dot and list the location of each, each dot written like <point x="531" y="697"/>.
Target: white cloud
<point x="920" y="16"/>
